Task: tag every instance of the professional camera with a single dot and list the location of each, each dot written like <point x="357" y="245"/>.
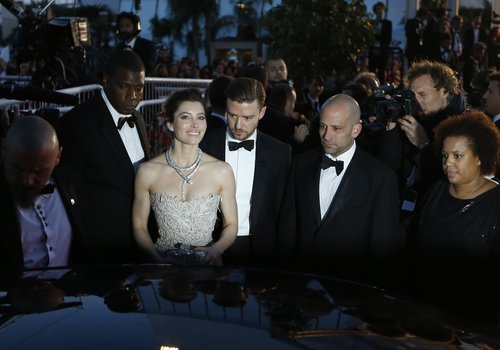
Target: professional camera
<point x="402" y="102"/>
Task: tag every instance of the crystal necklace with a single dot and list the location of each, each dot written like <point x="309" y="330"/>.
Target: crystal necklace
<point x="186" y="173"/>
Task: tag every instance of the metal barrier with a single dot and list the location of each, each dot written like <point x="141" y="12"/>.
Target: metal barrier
<point x="156" y="90"/>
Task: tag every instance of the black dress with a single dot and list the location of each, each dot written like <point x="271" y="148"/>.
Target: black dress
<point x="458" y="228"/>
<point x="458" y="251"/>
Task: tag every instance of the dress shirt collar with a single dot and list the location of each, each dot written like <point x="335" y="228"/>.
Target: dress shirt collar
<point x="251" y="137"/>
<point x="496" y="118"/>
<point x="131" y="43"/>
<point x="114" y="113"/>
<point x="346" y="157"/>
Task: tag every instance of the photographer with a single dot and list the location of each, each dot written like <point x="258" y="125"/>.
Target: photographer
<point x="406" y="145"/>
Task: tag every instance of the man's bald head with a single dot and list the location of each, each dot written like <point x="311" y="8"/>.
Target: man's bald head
<point x="347" y="103"/>
<point x="31" y="133"/>
<point x="31" y="151"/>
<point x="339" y="124"/>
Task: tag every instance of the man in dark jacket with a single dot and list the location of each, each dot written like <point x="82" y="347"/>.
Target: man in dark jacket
<point x="407" y="144"/>
<point x="39" y="202"/>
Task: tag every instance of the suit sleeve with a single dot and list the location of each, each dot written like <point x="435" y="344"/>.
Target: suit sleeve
<point x="68" y="134"/>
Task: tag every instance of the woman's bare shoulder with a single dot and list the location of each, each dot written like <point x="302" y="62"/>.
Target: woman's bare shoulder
<point x="217" y="165"/>
<point x="153" y="165"/>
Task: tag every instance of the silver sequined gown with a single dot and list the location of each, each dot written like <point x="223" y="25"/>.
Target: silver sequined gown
<point x="186" y="222"/>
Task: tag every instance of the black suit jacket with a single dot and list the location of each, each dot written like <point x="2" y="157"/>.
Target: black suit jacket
<point x="413" y="34"/>
<point x="11" y="250"/>
<point x="361" y="223"/>
<point x="272" y="161"/>
<point x="147" y="51"/>
<point x="214" y="122"/>
<point x="92" y="145"/>
<point x="277" y="125"/>
<point x="468" y="43"/>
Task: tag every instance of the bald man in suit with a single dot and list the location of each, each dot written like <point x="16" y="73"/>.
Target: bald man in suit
<point x="340" y="211"/>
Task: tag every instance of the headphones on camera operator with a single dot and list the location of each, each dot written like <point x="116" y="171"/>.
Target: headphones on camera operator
<point x="136" y="23"/>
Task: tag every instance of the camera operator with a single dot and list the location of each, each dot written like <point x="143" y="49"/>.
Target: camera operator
<point x="128" y="27"/>
<point x="406" y="145"/>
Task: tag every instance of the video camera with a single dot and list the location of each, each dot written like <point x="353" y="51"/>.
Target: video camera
<point x="60" y="42"/>
<point x="401" y="103"/>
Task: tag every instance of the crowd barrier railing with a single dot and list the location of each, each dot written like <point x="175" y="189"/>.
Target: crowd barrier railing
<point x="156" y="91"/>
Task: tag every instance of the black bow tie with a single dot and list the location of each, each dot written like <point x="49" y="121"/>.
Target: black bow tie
<point x="247" y="144"/>
<point x="130" y="121"/>
<point x="47" y="189"/>
<point x="327" y="162"/>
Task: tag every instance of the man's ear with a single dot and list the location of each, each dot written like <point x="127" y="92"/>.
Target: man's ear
<point x="262" y="112"/>
<point x="59" y="155"/>
<point x="356" y="130"/>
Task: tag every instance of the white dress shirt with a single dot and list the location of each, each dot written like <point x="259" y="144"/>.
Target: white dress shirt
<point x="329" y="181"/>
<point x="45" y="232"/>
<point x="243" y="164"/>
<point x="129" y="136"/>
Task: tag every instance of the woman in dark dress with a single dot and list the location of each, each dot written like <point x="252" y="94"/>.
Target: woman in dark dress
<point x="458" y="239"/>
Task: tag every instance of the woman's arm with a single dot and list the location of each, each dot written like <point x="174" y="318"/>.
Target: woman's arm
<point x="140" y="213"/>
<point x="229" y="212"/>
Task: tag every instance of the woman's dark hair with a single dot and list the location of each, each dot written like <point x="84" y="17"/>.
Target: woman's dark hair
<point x="482" y="133"/>
<point x="177" y="98"/>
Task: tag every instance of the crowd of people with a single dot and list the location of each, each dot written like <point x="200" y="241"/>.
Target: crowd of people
<point x="256" y="176"/>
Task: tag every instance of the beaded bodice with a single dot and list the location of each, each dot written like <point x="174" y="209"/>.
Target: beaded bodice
<point x="187" y="222"/>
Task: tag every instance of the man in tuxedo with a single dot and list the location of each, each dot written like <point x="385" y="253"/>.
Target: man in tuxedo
<point x="379" y="52"/>
<point x="128" y="27"/>
<point x="414" y="31"/>
<point x="260" y="164"/>
<point x="217" y="101"/>
<point x="39" y="203"/>
<point x="491" y="98"/>
<point x="105" y="139"/>
<point x="340" y="212"/>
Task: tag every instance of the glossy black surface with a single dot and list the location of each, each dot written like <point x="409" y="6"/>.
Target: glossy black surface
<point x="147" y="307"/>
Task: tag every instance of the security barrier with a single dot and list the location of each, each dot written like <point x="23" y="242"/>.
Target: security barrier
<point x="156" y="90"/>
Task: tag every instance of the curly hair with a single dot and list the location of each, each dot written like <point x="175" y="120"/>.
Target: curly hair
<point x="443" y="76"/>
<point x="482" y="133"/>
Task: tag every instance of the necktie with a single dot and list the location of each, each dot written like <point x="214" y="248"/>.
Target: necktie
<point x="316" y="107"/>
<point x="326" y="162"/>
<point x="130" y="121"/>
<point x="47" y="189"/>
<point x="247" y="144"/>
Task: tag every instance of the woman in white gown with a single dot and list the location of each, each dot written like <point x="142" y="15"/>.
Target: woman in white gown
<point x="185" y="188"/>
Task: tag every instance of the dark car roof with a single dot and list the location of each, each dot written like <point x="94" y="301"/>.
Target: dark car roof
<point x="165" y="307"/>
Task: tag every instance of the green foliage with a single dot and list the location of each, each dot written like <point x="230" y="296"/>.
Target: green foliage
<point x="315" y="36"/>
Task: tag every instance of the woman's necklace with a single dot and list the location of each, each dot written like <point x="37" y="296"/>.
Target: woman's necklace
<point x="481" y="183"/>
<point x="186" y="173"/>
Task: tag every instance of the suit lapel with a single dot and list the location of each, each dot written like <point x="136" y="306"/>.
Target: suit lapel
<point x="346" y="188"/>
<point x="143" y="134"/>
<point x="107" y="127"/>
<point x="259" y="177"/>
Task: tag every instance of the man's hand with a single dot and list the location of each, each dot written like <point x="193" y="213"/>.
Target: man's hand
<point x="301" y="132"/>
<point x="414" y="131"/>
